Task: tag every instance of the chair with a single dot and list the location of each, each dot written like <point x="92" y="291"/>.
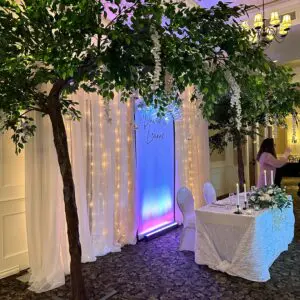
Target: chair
<point x="185" y="202"/>
<point x="209" y="193"/>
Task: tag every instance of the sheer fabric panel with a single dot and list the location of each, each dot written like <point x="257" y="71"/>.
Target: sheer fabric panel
<point x="103" y="162"/>
<point x="192" y="150"/>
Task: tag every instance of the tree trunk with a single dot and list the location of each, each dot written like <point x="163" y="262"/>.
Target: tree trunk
<point x="60" y="141"/>
<point x="241" y="170"/>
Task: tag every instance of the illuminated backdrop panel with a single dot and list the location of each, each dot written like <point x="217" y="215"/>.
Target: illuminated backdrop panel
<point x="154" y="171"/>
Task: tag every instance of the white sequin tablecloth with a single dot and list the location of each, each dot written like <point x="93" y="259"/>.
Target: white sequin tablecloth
<point x="242" y="245"/>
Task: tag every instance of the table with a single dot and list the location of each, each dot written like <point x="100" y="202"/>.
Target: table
<point x="242" y="245"/>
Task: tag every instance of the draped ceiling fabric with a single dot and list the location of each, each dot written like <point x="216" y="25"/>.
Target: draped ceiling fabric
<point x="192" y="150"/>
<point x="102" y="156"/>
<point x="103" y="161"/>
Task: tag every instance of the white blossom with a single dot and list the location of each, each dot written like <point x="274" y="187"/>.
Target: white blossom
<point x="235" y="100"/>
<point x="107" y="111"/>
<point x="3" y="119"/>
<point x="156" y="51"/>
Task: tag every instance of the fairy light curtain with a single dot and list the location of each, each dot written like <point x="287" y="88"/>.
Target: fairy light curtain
<point x="103" y="168"/>
<point x="103" y="162"/>
<point x="192" y="150"/>
<point x="109" y="156"/>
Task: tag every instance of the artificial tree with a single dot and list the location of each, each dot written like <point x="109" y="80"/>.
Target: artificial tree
<point x="68" y="45"/>
<point x="267" y="97"/>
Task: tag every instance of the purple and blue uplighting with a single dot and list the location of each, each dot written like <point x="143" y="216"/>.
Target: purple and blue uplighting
<point x="154" y="171"/>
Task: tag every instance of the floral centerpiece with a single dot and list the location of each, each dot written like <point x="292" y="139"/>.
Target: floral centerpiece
<point x="270" y="196"/>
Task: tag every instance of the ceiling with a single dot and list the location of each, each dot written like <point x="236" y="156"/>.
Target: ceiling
<point x="209" y="3"/>
<point x="289" y="49"/>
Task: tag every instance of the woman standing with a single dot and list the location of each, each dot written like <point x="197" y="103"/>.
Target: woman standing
<point x="268" y="161"/>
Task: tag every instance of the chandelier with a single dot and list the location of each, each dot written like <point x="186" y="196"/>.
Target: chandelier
<point x="265" y="31"/>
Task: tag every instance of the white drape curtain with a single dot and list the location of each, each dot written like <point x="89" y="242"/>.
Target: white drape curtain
<point x="103" y="162"/>
<point x="102" y="155"/>
<point x="192" y="150"/>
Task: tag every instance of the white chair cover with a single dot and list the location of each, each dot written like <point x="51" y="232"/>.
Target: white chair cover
<point x="185" y="202"/>
<point x="209" y="193"/>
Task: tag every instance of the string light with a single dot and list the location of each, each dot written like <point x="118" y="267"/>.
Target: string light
<point x="130" y="164"/>
<point x="104" y="111"/>
<point x="117" y="173"/>
<point x="90" y="155"/>
<point x="190" y="165"/>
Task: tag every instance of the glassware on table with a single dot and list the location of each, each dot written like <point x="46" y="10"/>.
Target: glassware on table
<point x="256" y="207"/>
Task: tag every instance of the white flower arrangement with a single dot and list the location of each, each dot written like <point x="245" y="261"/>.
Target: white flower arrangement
<point x="270" y="196"/>
<point x="235" y="100"/>
<point x="156" y="51"/>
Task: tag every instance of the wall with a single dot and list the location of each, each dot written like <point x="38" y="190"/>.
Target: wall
<point x="224" y="170"/>
<point x="13" y="240"/>
<point x="284" y="138"/>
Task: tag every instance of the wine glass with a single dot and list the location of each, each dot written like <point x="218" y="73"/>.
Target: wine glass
<point x="256" y="207"/>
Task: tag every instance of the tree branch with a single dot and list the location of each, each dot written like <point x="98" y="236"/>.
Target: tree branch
<point x="121" y="13"/>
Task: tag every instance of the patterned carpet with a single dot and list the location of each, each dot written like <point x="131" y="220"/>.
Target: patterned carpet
<point x="157" y="270"/>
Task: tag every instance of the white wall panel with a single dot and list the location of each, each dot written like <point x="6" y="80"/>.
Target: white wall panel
<point x="13" y="239"/>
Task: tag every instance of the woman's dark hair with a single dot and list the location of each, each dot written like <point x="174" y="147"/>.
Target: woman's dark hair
<point x="267" y="146"/>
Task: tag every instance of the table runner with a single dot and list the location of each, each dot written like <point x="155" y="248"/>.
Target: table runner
<point x="242" y="245"/>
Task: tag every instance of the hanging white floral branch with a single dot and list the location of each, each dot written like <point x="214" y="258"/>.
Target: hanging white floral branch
<point x="3" y="119"/>
<point x="156" y="51"/>
<point x="267" y="116"/>
<point x="107" y="110"/>
<point x="235" y="100"/>
<point x="294" y="127"/>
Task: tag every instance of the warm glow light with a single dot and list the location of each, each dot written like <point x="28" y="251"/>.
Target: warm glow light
<point x="253" y="38"/>
<point x="245" y="25"/>
<point x="270" y="36"/>
<point x="258" y="21"/>
<point x="275" y="20"/>
<point x="286" y="22"/>
<point x="283" y="30"/>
